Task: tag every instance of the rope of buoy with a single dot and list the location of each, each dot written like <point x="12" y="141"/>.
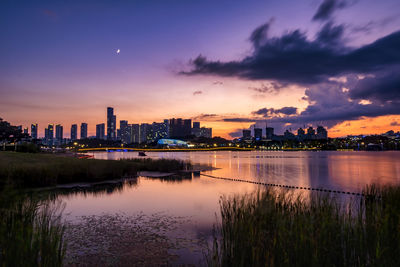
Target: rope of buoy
<point x="286" y="186"/>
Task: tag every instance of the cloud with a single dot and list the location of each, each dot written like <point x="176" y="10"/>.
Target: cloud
<point x="382" y="88"/>
<point x="395" y="123"/>
<point x="218" y="83"/>
<point x="205" y="116"/>
<point x="197" y="92"/>
<point x="328" y="105"/>
<point x="268" y="112"/>
<point x="269" y="87"/>
<point x="293" y="58"/>
<point x="327" y="8"/>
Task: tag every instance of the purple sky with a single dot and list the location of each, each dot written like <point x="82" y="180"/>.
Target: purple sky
<point x="59" y="62"/>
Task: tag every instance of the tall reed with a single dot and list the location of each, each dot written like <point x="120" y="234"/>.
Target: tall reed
<point x="278" y="228"/>
<point x="31" y="232"/>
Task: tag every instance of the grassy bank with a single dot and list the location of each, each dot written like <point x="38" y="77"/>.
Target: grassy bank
<point x="30" y="170"/>
<point x="277" y="229"/>
<point x="31" y="232"/>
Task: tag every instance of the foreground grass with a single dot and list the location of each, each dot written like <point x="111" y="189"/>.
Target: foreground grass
<point x="277" y="229"/>
<point x="32" y="170"/>
<point x="31" y="232"/>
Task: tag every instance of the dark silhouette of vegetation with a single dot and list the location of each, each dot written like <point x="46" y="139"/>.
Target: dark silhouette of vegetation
<point x="10" y="133"/>
<point x="31" y="232"/>
<point x="36" y="170"/>
<point x="275" y="228"/>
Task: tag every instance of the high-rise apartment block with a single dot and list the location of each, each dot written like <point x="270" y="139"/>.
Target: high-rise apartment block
<point x="111" y="124"/>
<point x="74" y="132"/>
<point x="100" y="131"/>
<point x="34" y="131"/>
<point x="84" y="130"/>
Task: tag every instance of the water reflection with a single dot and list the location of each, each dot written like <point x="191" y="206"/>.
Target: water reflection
<point x="197" y="198"/>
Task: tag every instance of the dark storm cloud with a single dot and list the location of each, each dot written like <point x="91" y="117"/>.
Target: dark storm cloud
<point x="328" y="106"/>
<point x="293" y="58"/>
<point x="381" y="89"/>
<point x="327" y="8"/>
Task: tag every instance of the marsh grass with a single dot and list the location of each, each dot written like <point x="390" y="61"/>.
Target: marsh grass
<point x="277" y="228"/>
<point x="31" y="232"/>
<point x="36" y="170"/>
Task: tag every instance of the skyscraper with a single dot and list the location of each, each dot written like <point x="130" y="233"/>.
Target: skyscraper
<point x="246" y="134"/>
<point x="59" y="133"/>
<point x="34" y="131"/>
<point x="84" y="127"/>
<point x="111" y="124"/>
<point x="269" y="133"/>
<point x="134" y="133"/>
<point x="100" y="131"/>
<point x="74" y="132"/>
<point x="258" y="133"/>
<point x="180" y="128"/>
<point x="125" y="132"/>
<point x="50" y="132"/>
<point x="144" y="133"/>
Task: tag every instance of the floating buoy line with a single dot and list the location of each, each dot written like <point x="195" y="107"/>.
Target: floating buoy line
<point x="288" y="186"/>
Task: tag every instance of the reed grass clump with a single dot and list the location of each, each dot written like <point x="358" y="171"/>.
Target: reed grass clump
<point x="36" y="170"/>
<point x="31" y="233"/>
<point x="277" y="228"/>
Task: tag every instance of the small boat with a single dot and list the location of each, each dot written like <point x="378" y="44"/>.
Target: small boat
<point x="142" y="154"/>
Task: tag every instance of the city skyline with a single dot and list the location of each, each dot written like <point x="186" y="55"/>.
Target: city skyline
<point x="177" y="64"/>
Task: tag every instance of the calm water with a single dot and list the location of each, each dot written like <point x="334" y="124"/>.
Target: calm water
<point x="196" y="199"/>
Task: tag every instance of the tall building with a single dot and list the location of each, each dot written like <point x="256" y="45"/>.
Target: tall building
<point x="125" y="132"/>
<point x="196" y="129"/>
<point x="134" y="128"/>
<point x="84" y="128"/>
<point x="74" y="132"/>
<point x="322" y="133"/>
<point x="111" y="124"/>
<point x="50" y="132"/>
<point x="187" y="127"/>
<point x="100" y="131"/>
<point x="246" y="134"/>
<point x="34" y="131"/>
<point x="26" y="130"/>
<point x="179" y="128"/>
<point x="269" y="133"/>
<point x="144" y="132"/>
<point x="159" y="130"/>
<point x="258" y="133"/>
<point x="59" y="133"/>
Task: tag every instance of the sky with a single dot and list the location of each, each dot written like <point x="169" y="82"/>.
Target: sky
<point x="228" y="64"/>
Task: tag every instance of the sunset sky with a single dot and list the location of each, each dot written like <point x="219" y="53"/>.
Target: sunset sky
<point x="227" y="64"/>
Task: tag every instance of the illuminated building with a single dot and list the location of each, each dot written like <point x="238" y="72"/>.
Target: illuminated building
<point x="111" y="124"/>
<point x="257" y="134"/>
<point x="34" y="131"/>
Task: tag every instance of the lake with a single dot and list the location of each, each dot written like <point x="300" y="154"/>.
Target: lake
<point x="189" y="206"/>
